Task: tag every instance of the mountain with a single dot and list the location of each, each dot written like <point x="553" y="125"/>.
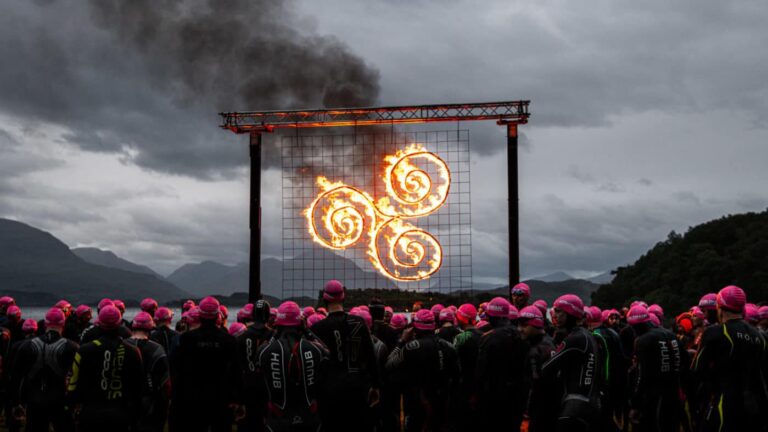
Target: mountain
<point x="109" y="259"/>
<point x="553" y="277"/>
<point x="549" y="291"/>
<point x="602" y="278"/>
<point x="34" y="262"/>
<point x="676" y="272"/>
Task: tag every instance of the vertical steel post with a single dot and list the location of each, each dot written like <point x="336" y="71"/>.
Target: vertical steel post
<point x="513" y="206"/>
<point x="254" y="277"/>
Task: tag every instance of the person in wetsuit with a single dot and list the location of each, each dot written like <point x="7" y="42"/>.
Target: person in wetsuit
<point x="426" y="369"/>
<point x="14" y="412"/>
<point x="95" y="331"/>
<point x="519" y="295"/>
<point x="614" y="367"/>
<point x="654" y="393"/>
<point x="353" y="378"/>
<point x="81" y="320"/>
<point x="292" y="369"/>
<point x="205" y="375"/>
<point x="248" y="345"/>
<point x="157" y="381"/>
<point x="14" y="323"/>
<point x="467" y="344"/>
<point x="39" y="376"/>
<point x="500" y="369"/>
<point x="541" y="408"/>
<point x="729" y="363"/>
<point x="447" y="331"/>
<point x="163" y="334"/>
<point x="575" y="368"/>
<point x="105" y="388"/>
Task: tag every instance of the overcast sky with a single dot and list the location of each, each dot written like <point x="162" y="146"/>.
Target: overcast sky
<point x="647" y="117"/>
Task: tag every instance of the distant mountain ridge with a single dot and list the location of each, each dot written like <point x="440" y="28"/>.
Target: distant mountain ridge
<point x="34" y="262"/>
<point x="108" y="258"/>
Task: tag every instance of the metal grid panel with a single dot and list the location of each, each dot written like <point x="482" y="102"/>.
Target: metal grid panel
<point x="358" y="161"/>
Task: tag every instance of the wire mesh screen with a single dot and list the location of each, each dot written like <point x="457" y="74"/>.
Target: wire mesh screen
<point x="349" y="214"/>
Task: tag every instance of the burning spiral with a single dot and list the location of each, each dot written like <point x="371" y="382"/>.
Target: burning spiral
<point x="341" y="215"/>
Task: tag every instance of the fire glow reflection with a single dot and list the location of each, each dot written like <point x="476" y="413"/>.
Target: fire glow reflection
<point x="342" y="216"/>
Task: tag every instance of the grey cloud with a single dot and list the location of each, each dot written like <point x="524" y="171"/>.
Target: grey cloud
<point x="645" y="182"/>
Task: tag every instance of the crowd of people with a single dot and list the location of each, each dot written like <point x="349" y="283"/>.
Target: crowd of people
<point x="512" y="364"/>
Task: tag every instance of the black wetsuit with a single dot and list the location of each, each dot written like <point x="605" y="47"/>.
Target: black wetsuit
<point x="106" y="382"/>
<point x="9" y="360"/>
<point x="576" y="368"/>
<point x="614" y="377"/>
<point x="74" y="329"/>
<point x="94" y="332"/>
<point x="39" y="378"/>
<point x="206" y="379"/>
<point x="500" y="373"/>
<point x="292" y="370"/>
<point x="655" y="386"/>
<point x="157" y="386"/>
<point x="542" y="403"/>
<point x="352" y="371"/>
<point x="729" y="364"/>
<point x="427" y="371"/>
<point x="448" y="333"/>
<point x="254" y="391"/>
<point x="467" y="344"/>
<point x="164" y="335"/>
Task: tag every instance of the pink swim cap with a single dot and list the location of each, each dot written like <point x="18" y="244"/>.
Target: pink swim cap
<point x="224" y="311"/>
<point x="389" y="309"/>
<point x="333" y="291"/>
<point x="513" y="313"/>
<point x="654" y="319"/>
<point x="751" y="313"/>
<point x="308" y="311"/>
<point x="63" y="304"/>
<point x="105" y="302"/>
<point x="189" y="304"/>
<point x="542" y="305"/>
<point x="656" y="310"/>
<point x="362" y="313"/>
<point x="236" y="329"/>
<point x="209" y="308"/>
<point x="30" y="326"/>
<point x="193" y="315"/>
<point x="570" y="304"/>
<point x="732" y="298"/>
<point x="314" y="319"/>
<point x="163" y="314"/>
<point x="143" y="321"/>
<point x="498" y="307"/>
<point x="398" y="321"/>
<point x="763" y="312"/>
<point x="288" y="314"/>
<point x="593" y="314"/>
<point x="119" y="305"/>
<point x="83" y="310"/>
<point x="109" y="317"/>
<point x="7" y="301"/>
<point x="55" y="317"/>
<point x="521" y="289"/>
<point x="708" y="301"/>
<point x="424" y="320"/>
<point x="532" y="316"/>
<point x="697" y="312"/>
<point x="15" y="312"/>
<point x="466" y="314"/>
<point x="605" y="314"/>
<point x="446" y="315"/>
<point x="149" y="305"/>
<point x="638" y="314"/>
<point x="245" y="314"/>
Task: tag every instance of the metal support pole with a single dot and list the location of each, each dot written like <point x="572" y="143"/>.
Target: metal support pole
<point x="513" y="205"/>
<point x="254" y="277"/>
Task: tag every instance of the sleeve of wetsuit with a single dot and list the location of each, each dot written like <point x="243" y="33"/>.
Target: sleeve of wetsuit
<point x="561" y="356"/>
<point x="161" y="374"/>
<point x="19" y="369"/>
<point x="369" y="355"/>
<point x="73" y="388"/>
<point x="639" y="381"/>
<point x="703" y="360"/>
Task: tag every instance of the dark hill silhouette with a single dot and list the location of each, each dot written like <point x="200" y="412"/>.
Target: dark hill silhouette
<point x="33" y="261"/>
<point x="676" y="272"/>
<point x="109" y="259"/>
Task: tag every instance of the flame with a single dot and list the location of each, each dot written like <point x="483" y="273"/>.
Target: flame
<point x="341" y="215"/>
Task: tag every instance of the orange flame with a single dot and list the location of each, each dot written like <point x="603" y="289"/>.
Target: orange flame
<point x="340" y="216"/>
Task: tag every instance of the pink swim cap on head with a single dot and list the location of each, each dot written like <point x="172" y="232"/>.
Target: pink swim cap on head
<point x="466" y="314"/>
<point x="424" y="320"/>
<point x="314" y="319"/>
<point x="593" y="314"/>
<point x="288" y="315"/>
<point x="542" y="305"/>
<point x="143" y="321"/>
<point x="209" y="308"/>
<point x="570" y="304"/>
<point x="513" y="313"/>
<point x="308" y="311"/>
<point x="105" y="302"/>
<point x="236" y="329"/>
<point x="15" y="312"/>
<point x="148" y="305"/>
<point x="163" y="314"/>
<point x="708" y="301"/>
<point x="532" y="316"/>
<point x="362" y="313"/>
<point x="638" y="314"/>
<point x="732" y="298"/>
<point x="189" y="304"/>
<point x="399" y="321"/>
<point x="55" y="317"/>
<point x="697" y="312"/>
<point x="29" y="326"/>
<point x="83" y="310"/>
<point x="333" y="291"/>
<point x="109" y="317"/>
<point x="193" y="315"/>
<point x="521" y="289"/>
<point x="498" y="307"/>
<point x="654" y="319"/>
<point x="751" y="313"/>
<point x="7" y="301"/>
<point x="119" y="305"/>
<point x="762" y="312"/>
<point x="446" y="315"/>
<point x="656" y="310"/>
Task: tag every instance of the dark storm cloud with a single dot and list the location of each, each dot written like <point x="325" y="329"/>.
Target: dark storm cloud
<point x="145" y="79"/>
